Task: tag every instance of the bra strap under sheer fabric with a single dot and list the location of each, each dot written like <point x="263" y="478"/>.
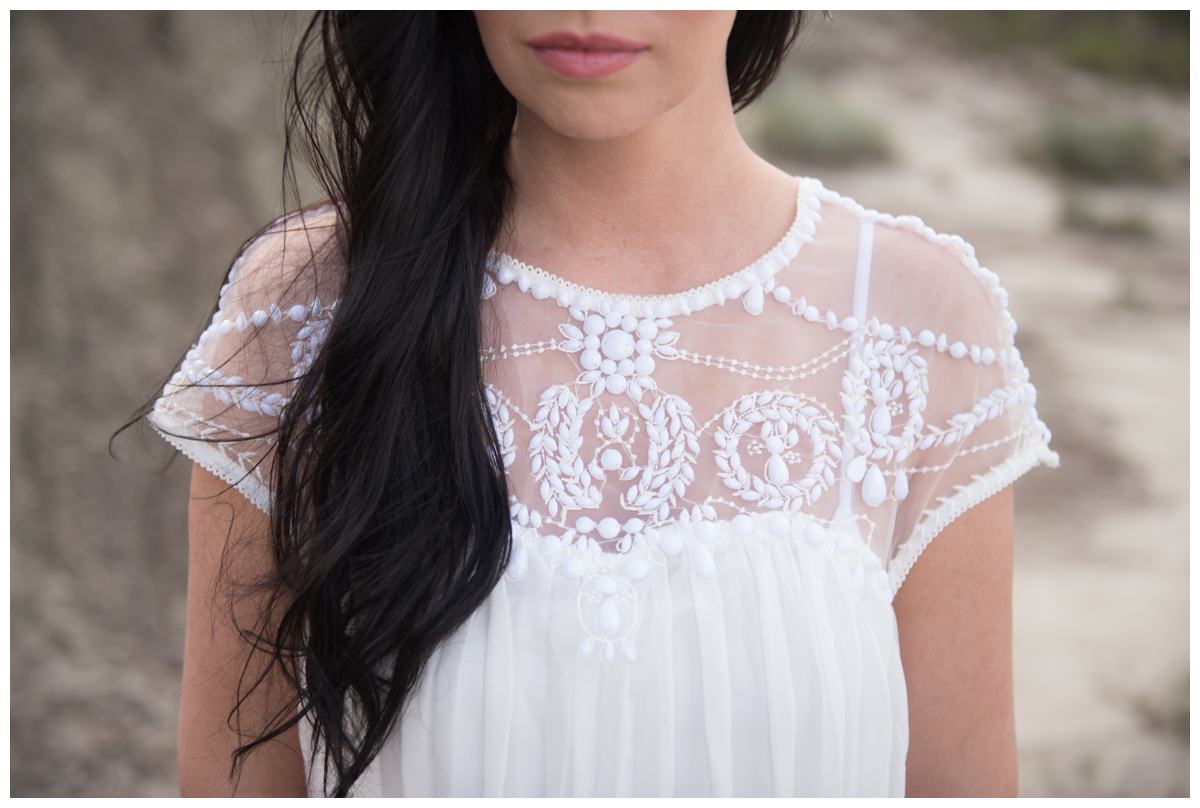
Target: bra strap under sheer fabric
<point x="862" y="278"/>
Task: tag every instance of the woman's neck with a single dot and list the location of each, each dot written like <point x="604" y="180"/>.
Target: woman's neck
<point x="667" y="206"/>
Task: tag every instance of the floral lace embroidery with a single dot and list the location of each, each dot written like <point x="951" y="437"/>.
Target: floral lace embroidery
<point x="776" y="451"/>
<point x="887" y="377"/>
<point x="620" y="339"/>
<point x="617" y="352"/>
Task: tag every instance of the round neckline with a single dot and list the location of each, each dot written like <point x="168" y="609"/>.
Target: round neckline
<point x="758" y="274"/>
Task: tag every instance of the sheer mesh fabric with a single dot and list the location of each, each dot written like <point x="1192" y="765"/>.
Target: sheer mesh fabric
<point x="793" y="394"/>
<point x="223" y="403"/>
<point x="816" y="394"/>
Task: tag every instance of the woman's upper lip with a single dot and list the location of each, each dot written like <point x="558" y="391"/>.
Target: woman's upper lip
<point x="590" y="41"/>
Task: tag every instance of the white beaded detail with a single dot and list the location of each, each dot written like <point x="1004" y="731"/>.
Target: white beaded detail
<point x="891" y="376"/>
<point x="491" y="354"/>
<point x="229" y="389"/>
<point x="874" y="327"/>
<point x="314" y="318"/>
<point x="609" y="584"/>
<point x="752" y="283"/>
<point x="778" y="419"/>
<point x="774" y="373"/>
<point x="621" y="474"/>
<point x="617" y="352"/>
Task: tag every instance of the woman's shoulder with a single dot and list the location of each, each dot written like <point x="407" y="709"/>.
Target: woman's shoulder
<point x="298" y="253"/>
<point x="920" y="275"/>
<point x="223" y="401"/>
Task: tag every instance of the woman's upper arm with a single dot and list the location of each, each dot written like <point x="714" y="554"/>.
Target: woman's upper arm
<point x="225" y="528"/>
<point x="222" y="408"/>
<point x="971" y="429"/>
<point x="955" y="619"/>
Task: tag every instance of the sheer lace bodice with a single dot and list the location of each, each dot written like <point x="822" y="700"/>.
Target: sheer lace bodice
<point x="769" y="452"/>
<point x="863" y="368"/>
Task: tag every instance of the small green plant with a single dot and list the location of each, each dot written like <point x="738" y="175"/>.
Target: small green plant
<point x="1098" y="151"/>
<point x="1145" y="46"/>
<point x="800" y="124"/>
<point x="1170" y="712"/>
<point x="1076" y="214"/>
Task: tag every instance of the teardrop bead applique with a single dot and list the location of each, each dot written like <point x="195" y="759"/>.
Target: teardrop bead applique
<point x="777" y="470"/>
<point x="703" y="563"/>
<point x="752" y="301"/>
<point x="608" y="619"/>
<point x="857" y="468"/>
<point x="881" y="420"/>
<point x="874" y="489"/>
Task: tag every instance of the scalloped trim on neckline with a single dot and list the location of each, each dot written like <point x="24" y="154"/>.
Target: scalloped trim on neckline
<point x="505" y="269"/>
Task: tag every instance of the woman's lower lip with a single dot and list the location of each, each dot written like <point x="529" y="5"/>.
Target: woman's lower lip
<point x="587" y="63"/>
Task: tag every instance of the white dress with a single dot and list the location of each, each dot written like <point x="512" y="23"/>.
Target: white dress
<point x="715" y="496"/>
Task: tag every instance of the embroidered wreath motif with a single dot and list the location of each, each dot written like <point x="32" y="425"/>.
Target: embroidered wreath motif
<point x="886" y="379"/>
<point x="502" y="421"/>
<point x="672" y="450"/>
<point x="563" y="480"/>
<point x="774" y="421"/>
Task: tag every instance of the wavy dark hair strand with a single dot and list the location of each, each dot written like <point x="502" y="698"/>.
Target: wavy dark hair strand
<point x="390" y="520"/>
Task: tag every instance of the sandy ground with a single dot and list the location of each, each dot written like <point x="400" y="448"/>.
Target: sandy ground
<point x="144" y="149"/>
<point x="1101" y="598"/>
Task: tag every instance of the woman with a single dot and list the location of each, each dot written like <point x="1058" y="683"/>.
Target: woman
<point x="572" y="448"/>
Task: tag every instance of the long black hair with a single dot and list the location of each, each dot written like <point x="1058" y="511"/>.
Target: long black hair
<point x="390" y="522"/>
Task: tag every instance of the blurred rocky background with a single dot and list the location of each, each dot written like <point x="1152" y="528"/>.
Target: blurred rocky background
<point x="146" y="146"/>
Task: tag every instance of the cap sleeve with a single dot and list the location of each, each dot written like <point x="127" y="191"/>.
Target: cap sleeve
<point x="223" y="403"/>
<point x="978" y="425"/>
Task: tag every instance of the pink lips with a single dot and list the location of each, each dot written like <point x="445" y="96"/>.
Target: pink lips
<point x="585" y="55"/>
